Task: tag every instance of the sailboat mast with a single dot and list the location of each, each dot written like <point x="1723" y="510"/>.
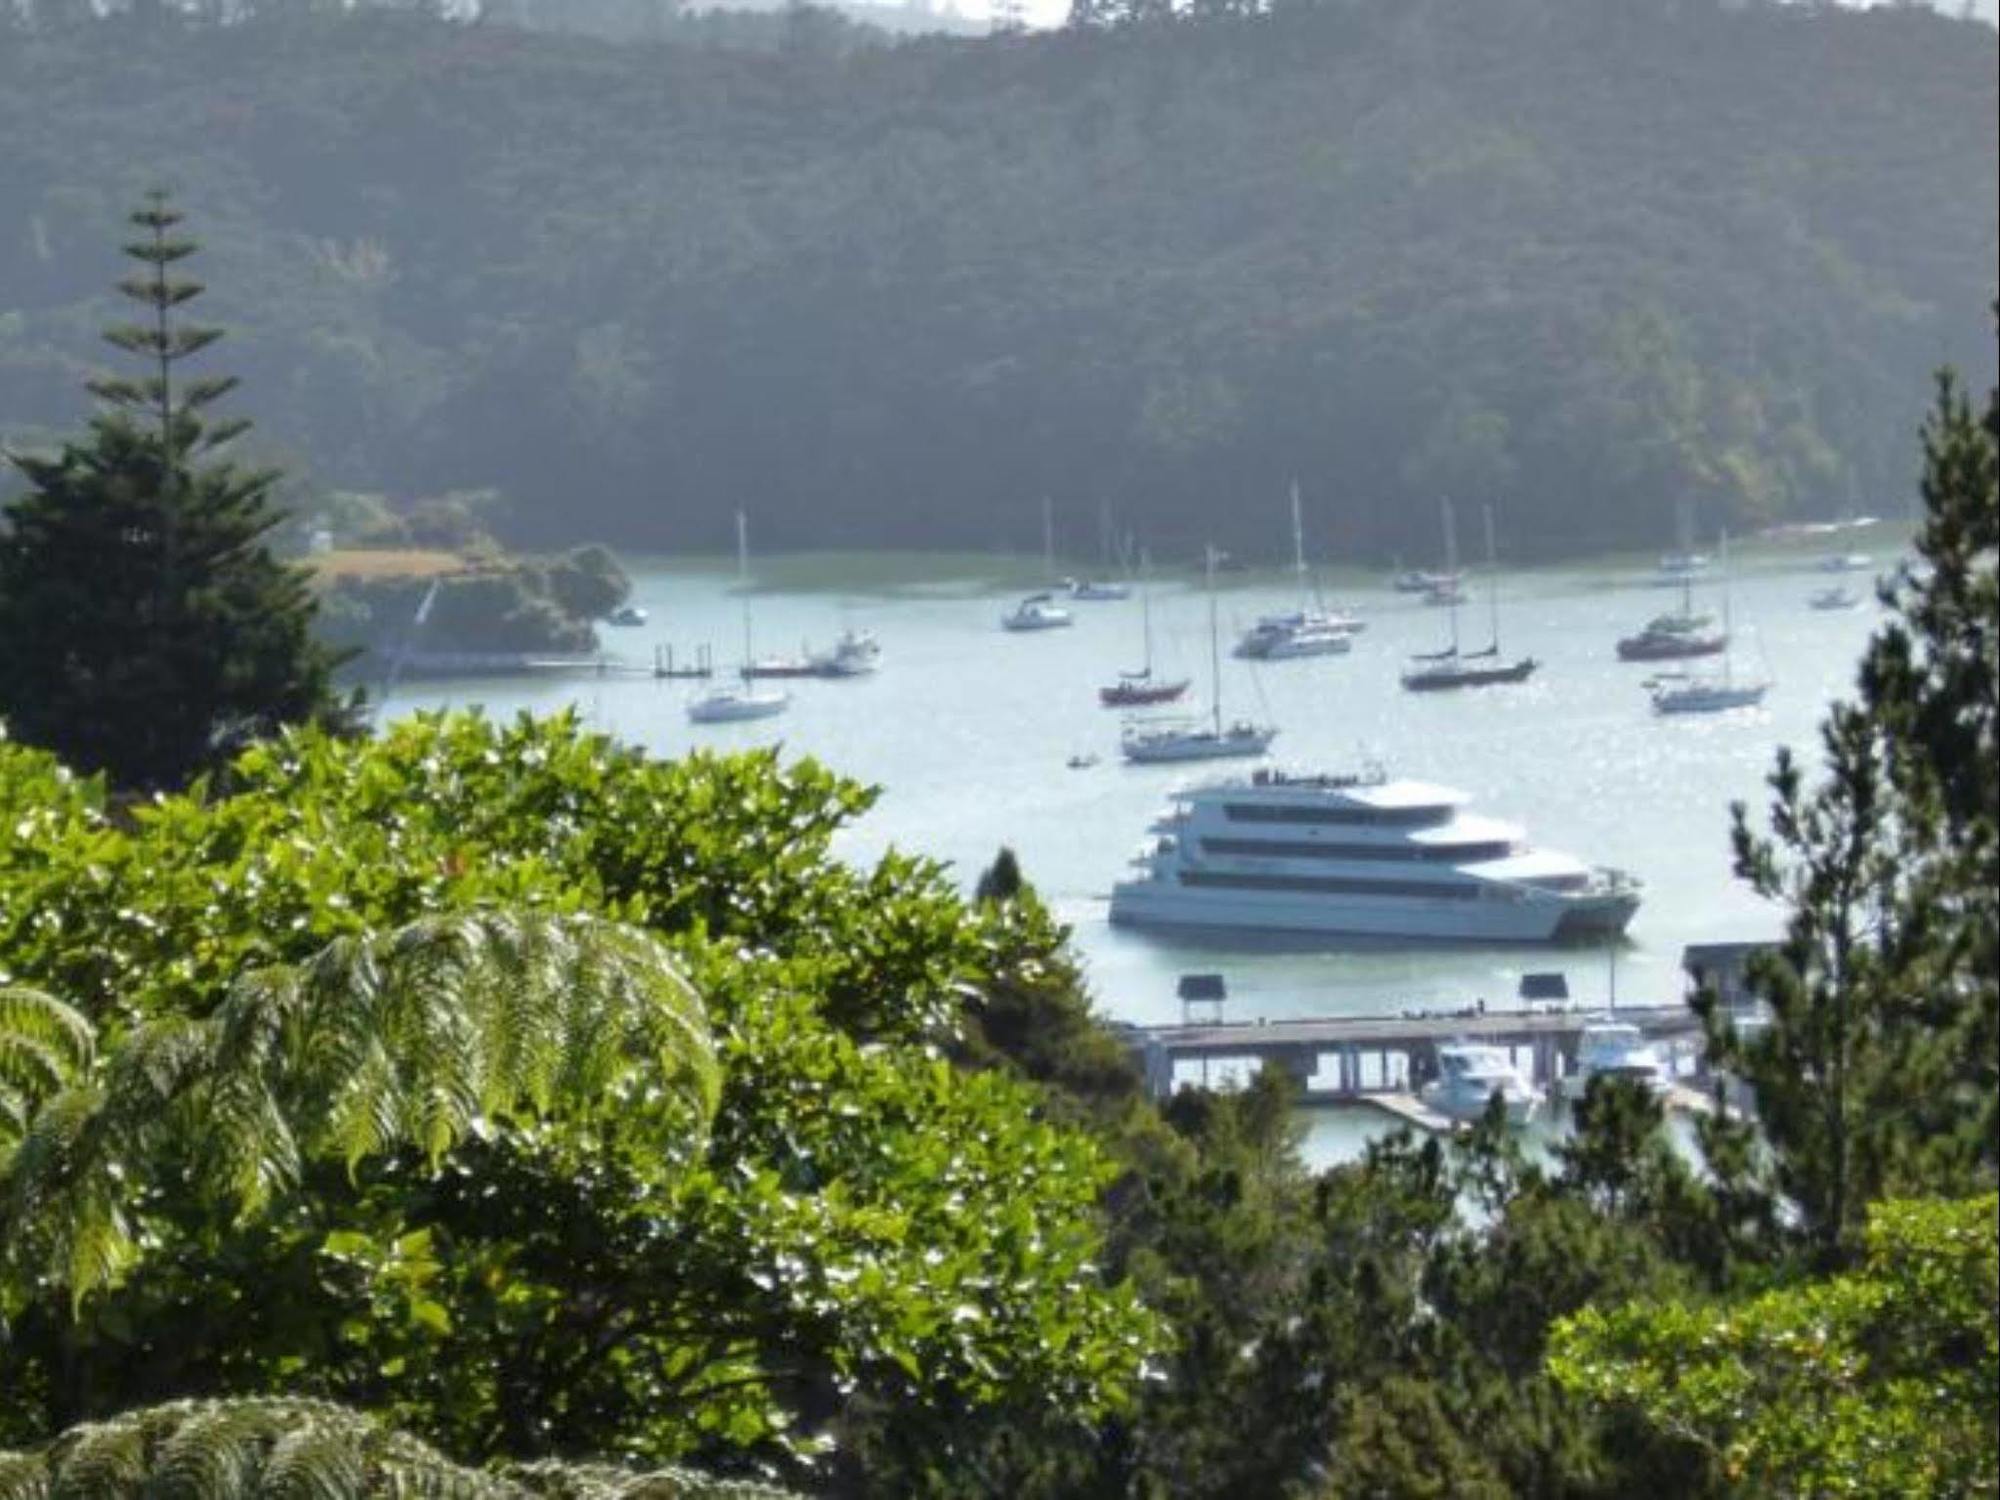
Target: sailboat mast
<point x="1214" y="646"/>
<point x="1492" y="579"/>
<point x="1298" y="545"/>
<point x="1723" y="549"/>
<point x="1451" y="569"/>
<point x="743" y="577"/>
<point x="1146" y="611"/>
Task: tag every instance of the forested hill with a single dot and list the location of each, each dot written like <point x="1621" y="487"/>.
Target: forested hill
<point x="1579" y="259"/>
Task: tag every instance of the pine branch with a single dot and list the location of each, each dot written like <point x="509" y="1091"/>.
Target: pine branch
<point x="162" y="252"/>
<point x="211" y="388"/>
<point x="159" y="292"/>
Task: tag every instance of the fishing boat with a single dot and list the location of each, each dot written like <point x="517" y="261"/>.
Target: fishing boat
<point x="1470" y="1075"/>
<point x="1685" y="693"/>
<point x="1442" y="671"/>
<point x="855" y="654"/>
<point x="1610" y="1048"/>
<point x="1150" y="743"/>
<point x="727" y="703"/>
<point x="1141" y="689"/>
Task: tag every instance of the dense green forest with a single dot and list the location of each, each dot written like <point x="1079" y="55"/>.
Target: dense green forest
<point x="1583" y="260"/>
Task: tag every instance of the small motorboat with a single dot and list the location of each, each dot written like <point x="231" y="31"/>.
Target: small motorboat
<point x="1036" y="612"/>
<point x="1470" y="1074"/>
<point x="1095" y="591"/>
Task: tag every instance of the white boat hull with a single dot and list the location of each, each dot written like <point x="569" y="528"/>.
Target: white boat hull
<point x="1287" y="648"/>
<point x="1463" y="1106"/>
<point x="1192" y="747"/>
<point x="1502" y="917"/>
<point x="736" y="708"/>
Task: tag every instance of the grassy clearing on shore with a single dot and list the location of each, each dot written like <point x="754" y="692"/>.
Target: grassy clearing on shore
<point x="384" y="562"/>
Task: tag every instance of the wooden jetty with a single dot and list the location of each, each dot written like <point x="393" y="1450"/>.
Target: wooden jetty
<point x="664" y="665"/>
<point x="1380" y="1060"/>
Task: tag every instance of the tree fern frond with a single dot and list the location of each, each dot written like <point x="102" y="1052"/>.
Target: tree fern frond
<point x="24" y="1476"/>
<point x="314" y="1460"/>
<point x="407" y="1039"/>
<point x="45" y="1045"/>
<point x="278" y="1448"/>
<point x="216" y="1453"/>
<point x="107" y="1459"/>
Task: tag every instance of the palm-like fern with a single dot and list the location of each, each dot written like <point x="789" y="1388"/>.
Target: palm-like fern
<point x="414" y="1038"/>
<point x="45" y="1046"/>
<point x="283" y="1449"/>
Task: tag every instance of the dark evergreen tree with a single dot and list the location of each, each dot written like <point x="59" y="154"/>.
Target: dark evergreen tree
<point x="149" y="630"/>
<point x="1878" y="1070"/>
<point x="1001" y="880"/>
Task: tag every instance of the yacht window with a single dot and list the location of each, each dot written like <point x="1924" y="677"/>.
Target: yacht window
<point x="1338" y="817"/>
<point x="1447" y="854"/>
<point x="1454" y="890"/>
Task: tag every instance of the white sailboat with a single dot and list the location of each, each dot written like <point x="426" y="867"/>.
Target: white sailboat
<point x="1684" y="693"/>
<point x="1039" y="611"/>
<point x="1684" y="564"/>
<point x="726" y="703"/>
<point x="1098" y="590"/>
<point x="1145" y="743"/>
<point x="1311" y="629"/>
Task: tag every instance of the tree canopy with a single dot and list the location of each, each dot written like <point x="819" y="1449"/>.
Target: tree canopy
<point x="151" y="633"/>
<point x="1582" y="260"/>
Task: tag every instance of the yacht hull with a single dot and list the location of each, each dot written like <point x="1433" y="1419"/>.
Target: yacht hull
<point x="1448" y="679"/>
<point x="735" y="710"/>
<point x="1707" y="700"/>
<point x="1291" y="648"/>
<point x="1500" y="919"/>
<point x="1669" y="647"/>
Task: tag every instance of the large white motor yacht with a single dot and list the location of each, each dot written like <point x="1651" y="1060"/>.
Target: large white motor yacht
<point x="1469" y="1075"/>
<point x="1360" y="856"/>
<point x="1617" y="1049"/>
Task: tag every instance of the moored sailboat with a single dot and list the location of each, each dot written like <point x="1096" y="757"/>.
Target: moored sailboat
<point x="1440" y="671"/>
<point x="1683" y="693"/>
<point x="732" y="702"/>
<point x="1141" y="689"/>
<point x="1154" y="744"/>
<point x="1310" y="630"/>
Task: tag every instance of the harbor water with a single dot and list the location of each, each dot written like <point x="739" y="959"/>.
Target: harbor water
<point x="969" y="732"/>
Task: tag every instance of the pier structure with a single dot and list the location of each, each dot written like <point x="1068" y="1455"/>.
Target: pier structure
<point x="1383" y="1059"/>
